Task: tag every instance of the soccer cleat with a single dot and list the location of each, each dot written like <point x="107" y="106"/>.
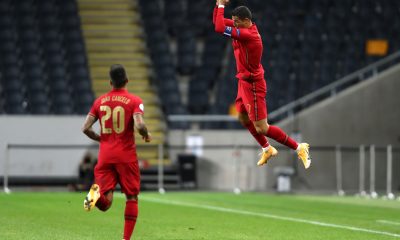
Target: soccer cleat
<point x="304" y="154"/>
<point x="266" y="155"/>
<point x="92" y="197"/>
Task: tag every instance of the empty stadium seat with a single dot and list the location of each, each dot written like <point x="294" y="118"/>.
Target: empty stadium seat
<point x="41" y="48"/>
<point x="174" y="14"/>
<point x="186" y="50"/>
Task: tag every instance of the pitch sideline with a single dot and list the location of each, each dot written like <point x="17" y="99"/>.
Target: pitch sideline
<point x="388" y="222"/>
<point x="266" y="215"/>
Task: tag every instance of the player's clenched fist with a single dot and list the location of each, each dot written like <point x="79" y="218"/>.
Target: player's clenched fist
<point x="147" y="138"/>
<point x="222" y="2"/>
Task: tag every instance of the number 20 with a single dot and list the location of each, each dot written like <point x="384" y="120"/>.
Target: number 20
<point x="118" y="119"/>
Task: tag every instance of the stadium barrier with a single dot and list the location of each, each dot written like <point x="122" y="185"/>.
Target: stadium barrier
<point x="237" y="164"/>
<point x="77" y="149"/>
<point x="362" y="171"/>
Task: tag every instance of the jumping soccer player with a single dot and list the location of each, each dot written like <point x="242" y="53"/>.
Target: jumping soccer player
<point x="252" y="88"/>
<point x="119" y="112"/>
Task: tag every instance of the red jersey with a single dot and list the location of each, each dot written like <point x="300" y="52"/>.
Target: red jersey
<point x="115" y="110"/>
<point x="247" y="46"/>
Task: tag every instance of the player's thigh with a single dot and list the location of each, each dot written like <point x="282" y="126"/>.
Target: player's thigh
<point x="129" y="177"/>
<point x="106" y="177"/>
<point x="244" y="118"/>
<point x="240" y="108"/>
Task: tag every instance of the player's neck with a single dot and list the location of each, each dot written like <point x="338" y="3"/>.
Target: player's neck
<point x="120" y="89"/>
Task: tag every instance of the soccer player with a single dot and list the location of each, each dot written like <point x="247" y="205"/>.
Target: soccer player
<point x="119" y="112"/>
<point x="250" y="101"/>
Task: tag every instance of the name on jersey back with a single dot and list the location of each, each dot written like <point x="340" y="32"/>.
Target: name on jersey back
<point x="115" y="98"/>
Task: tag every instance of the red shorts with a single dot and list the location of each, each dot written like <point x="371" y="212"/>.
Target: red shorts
<point x="251" y="99"/>
<point x="107" y="175"/>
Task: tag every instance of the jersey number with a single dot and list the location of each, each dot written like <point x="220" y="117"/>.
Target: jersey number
<point x="118" y="119"/>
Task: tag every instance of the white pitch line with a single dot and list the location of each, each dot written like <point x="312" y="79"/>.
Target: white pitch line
<point x="266" y="215"/>
<point x="388" y="222"/>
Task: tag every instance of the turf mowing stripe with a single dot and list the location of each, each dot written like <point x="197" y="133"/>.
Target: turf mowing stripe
<point x="265" y="215"/>
<point x="388" y="222"/>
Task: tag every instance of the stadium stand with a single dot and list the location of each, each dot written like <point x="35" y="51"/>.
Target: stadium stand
<point x="307" y="44"/>
<point x="43" y="63"/>
<point x="113" y="34"/>
<point x="163" y="62"/>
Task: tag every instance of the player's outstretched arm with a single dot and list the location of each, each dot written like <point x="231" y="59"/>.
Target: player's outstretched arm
<point x="88" y="130"/>
<point x="221" y="26"/>
<point x="227" y="22"/>
<point x="141" y="127"/>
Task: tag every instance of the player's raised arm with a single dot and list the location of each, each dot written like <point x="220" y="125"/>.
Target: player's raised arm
<point x="240" y="23"/>
<point x="228" y="22"/>
<point x="88" y="130"/>
<point x="141" y="127"/>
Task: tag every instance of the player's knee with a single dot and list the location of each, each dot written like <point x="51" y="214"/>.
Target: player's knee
<point x="104" y="206"/>
<point x="131" y="197"/>
<point x="262" y="129"/>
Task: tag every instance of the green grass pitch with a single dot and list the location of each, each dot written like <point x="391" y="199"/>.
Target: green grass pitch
<point x="201" y="215"/>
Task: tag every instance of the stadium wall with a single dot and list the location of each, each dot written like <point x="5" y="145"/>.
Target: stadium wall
<point x="42" y="162"/>
<point x="367" y="113"/>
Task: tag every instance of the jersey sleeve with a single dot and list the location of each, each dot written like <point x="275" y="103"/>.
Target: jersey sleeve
<point x="138" y="107"/>
<point x="228" y="22"/>
<point x="94" y="110"/>
<point x="241" y="34"/>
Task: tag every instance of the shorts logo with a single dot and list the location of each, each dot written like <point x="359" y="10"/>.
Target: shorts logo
<point x="141" y="107"/>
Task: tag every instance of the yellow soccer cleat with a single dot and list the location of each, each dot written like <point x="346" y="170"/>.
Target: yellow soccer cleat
<point x="92" y="197"/>
<point x="304" y="154"/>
<point x="266" y="155"/>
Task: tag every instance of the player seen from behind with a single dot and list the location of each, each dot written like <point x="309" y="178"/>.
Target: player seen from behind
<point x="119" y="113"/>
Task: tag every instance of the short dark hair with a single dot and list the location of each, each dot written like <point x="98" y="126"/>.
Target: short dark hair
<point x="242" y="12"/>
<point x="118" y="75"/>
